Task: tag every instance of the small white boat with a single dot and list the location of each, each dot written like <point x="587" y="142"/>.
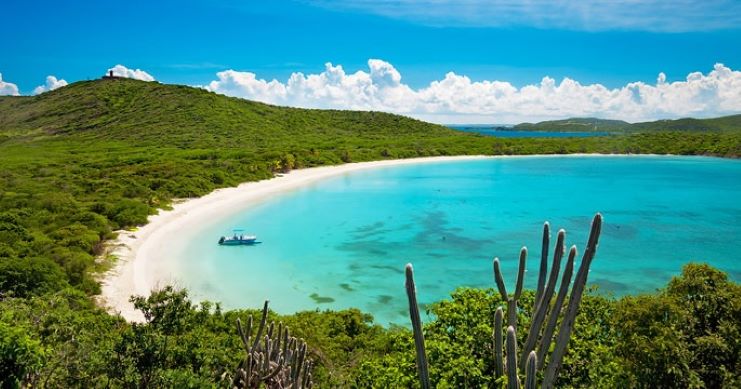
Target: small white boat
<point x="237" y="239"/>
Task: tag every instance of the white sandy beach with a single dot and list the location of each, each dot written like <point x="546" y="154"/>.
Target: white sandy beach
<point x="137" y="251"/>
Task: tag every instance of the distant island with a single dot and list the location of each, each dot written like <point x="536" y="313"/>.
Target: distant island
<point x="724" y="123"/>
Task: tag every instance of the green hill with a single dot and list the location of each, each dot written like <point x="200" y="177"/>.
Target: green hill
<point x="726" y="123"/>
<point x="149" y="112"/>
<point x="575" y="125"/>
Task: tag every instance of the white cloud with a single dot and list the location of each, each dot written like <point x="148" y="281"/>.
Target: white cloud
<point x="458" y="99"/>
<point x="137" y="74"/>
<point x="7" y="88"/>
<point x="51" y="84"/>
<point x="590" y="15"/>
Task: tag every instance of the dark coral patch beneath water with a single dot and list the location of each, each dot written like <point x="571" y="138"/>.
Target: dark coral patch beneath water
<point x="321" y="299"/>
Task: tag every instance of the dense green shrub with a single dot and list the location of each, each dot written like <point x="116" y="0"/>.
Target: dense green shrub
<point x="21" y="277"/>
<point x="645" y="341"/>
<point x="20" y="357"/>
<point x="685" y="336"/>
<point x="128" y="212"/>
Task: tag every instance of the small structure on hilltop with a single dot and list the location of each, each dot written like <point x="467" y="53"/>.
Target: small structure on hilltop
<point x="110" y="75"/>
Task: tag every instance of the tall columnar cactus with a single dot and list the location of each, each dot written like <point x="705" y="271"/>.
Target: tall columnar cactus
<point x="541" y="304"/>
<point x="545" y="340"/>
<point x="545" y="313"/>
<point x="567" y="323"/>
<point x="275" y="360"/>
<point x="419" y="340"/>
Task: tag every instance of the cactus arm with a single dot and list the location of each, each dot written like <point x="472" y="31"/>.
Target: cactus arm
<point x="555" y="269"/>
<point x="249" y="371"/>
<point x="499" y="280"/>
<point x="567" y="324"/>
<point x="306" y="376"/>
<point x="498" y="344"/>
<point x="260" y="329"/>
<point x="294" y="359"/>
<point x="419" y="340"/>
<point x="512" y="381"/>
<point x="266" y="355"/>
<point x="512" y="300"/>
<point x="545" y="341"/>
<point x="521" y="273"/>
<point x="285" y="345"/>
<point x="299" y="365"/>
<point x="245" y="337"/>
<point x="275" y="354"/>
<point x="530" y="374"/>
<point x="511" y="304"/>
<point x="543" y="261"/>
<point x="268" y="348"/>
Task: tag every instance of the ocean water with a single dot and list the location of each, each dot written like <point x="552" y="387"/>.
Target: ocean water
<point x="343" y="242"/>
<point x="495" y="132"/>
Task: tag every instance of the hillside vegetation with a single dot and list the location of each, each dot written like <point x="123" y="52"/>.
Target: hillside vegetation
<point x="575" y="125"/>
<point x="87" y="159"/>
<point x="721" y="124"/>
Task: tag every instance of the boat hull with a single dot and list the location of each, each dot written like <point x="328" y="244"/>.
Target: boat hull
<point x="237" y="242"/>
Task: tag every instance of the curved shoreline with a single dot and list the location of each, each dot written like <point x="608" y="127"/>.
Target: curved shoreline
<point x="136" y="250"/>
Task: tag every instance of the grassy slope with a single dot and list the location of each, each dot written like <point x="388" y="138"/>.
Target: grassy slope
<point x="726" y="123"/>
<point x="156" y="114"/>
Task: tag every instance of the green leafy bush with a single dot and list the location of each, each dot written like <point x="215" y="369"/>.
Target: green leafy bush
<point x="20" y="357"/>
<point x="687" y="335"/>
<point x="21" y="277"/>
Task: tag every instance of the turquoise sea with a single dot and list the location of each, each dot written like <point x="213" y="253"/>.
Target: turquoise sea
<point x="343" y="242"/>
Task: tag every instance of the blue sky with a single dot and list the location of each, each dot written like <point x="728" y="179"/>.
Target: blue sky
<point x="189" y="42"/>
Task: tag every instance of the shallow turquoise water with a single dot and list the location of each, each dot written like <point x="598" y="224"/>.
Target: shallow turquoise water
<point x="343" y="242"/>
